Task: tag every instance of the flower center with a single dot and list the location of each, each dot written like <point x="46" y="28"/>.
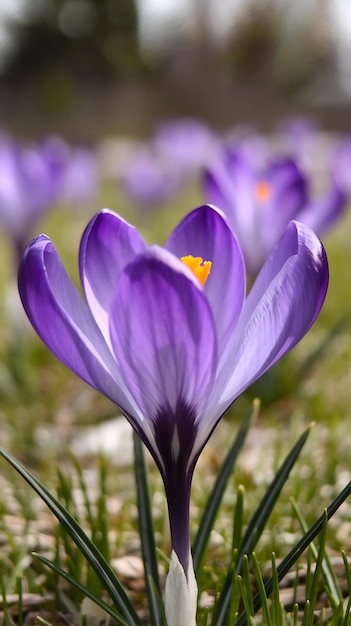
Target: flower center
<point x="262" y="191"/>
<point x="198" y="266"/>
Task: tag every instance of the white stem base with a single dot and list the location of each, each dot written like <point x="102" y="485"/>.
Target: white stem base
<point x="180" y="594"/>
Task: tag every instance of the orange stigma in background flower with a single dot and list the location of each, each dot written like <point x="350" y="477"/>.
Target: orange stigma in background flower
<point x="263" y="191"/>
<point x="198" y="266"/>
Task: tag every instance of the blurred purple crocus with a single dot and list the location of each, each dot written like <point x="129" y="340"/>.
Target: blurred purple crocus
<point x="81" y="179"/>
<point x="29" y="186"/>
<point x="187" y="142"/>
<point x="168" y="335"/>
<point x="155" y="171"/>
<point x="148" y="179"/>
<point x="341" y="162"/>
<point x="259" y="202"/>
<point x="75" y="169"/>
<point x="297" y="136"/>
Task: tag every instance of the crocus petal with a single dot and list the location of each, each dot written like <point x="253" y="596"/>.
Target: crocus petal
<point x="11" y="197"/>
<point x="81" y="178"/>
<point x="26" y="189"/>
<point x="163" y="336"/>
<point x="324" y="212"/>
<point x="341" y="163"/>
<point x="214" y="190"/>
<point x="187" y="143"/>
<point x="282" y="305"/>
<point x="148" y="178"/>
<point x="258" y="202"/>
<point x="180" y="594"/>
<point x="37" y="181"/>
<point x="107" y="245"/>
<point x="205" y="233"/>
<point x="289" y="196"/>
<point x="65" y="324"/>
<point x="230" y="185"/>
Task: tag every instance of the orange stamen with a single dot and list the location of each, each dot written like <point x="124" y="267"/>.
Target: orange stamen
<point x="198" y="266"/>
<point x="263" y="191"/>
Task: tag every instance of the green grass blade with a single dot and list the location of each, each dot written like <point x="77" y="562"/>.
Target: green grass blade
<point x="306" y="612"/>
<point x="216" y="495"/>
<point x="299" y="548"/>
<point x="147" y="536"/>
<point x="265" y="507"/>
<point x="101" y="528"/>
<point x="97" y="520"/>
<point x="7" y="621"/>
<point x="317" y="573"/>
<point x="205" y="617"/>
<point x="346" y="620"/>
<point x="262" y="591"/>
<point x="246" y="599"/>
<point x="20" y="601"/>
<point x="246" y="585"/>
<point x="276" y="604"/>
<point x="309" y="576"/>
<point x="333" y="588"/>
<point x="235" y="596"/>
<point x="157" y="599"/>
<point x="83" y="489"/>
<point x="296" y="614"/>
<point x="82" y="588"/>
<point x="43" y="621"/>
<point x="257" y="524"/>
<point x="85" y="545"/>
<point x="238" y="521"/>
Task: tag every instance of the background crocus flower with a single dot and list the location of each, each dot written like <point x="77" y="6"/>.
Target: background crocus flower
<point x="56" y="153"/>
<point x="156" y="170"/>
<point x="173" y="347"/>
<point x="81" y="177"/>
<point x="259" y="202"/>
<point x="341" y="163"/>
<point x="299" y="137"/>
<point x="75" y="170"/>
<point x="322" y="213"/>
<point x="148" y="179"/>
<point x="188" y="143"/>
<point x="253" y="145"/>
<point x="29" y="185"/>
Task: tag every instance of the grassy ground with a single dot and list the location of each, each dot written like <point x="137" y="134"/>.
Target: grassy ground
<point x="43" y="406"/>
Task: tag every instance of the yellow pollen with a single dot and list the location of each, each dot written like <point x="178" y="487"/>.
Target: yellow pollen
<point x="263" y="191"/>
<point x="198" y="266"/>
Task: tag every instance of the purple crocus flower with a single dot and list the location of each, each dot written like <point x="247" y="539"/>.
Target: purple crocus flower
<point x="157" y="170"/>
<point x="171" y="339"/>
<point x="188" y="143"/>
<point x="341" y="162"/>
<point x="56" y="153"/>
<point x="29" y="184"/>
<point x="148" y="179"/>
<point x="298" y="135"/>
<point x="259" y="202"/>
<point x="81" y="178"/>
<point x="321" y="214"/>
<point x="75" y="169"/>
<point x="252" y="145"/>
